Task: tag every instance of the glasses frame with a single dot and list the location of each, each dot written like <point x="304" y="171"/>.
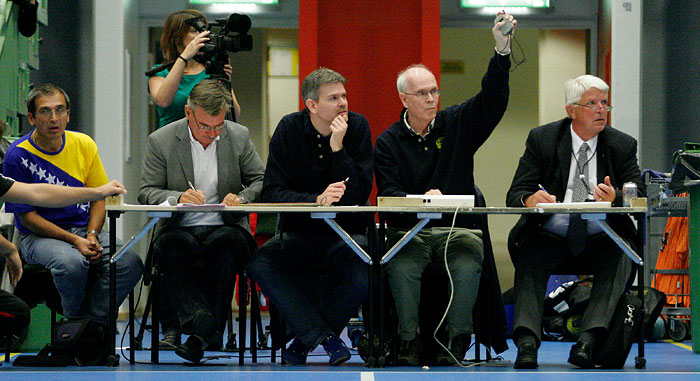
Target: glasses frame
<point x="207" y="128"/>
<point x="60" y="112"/>
<point x="434" y="93"/>
<point x="605" y="108"/>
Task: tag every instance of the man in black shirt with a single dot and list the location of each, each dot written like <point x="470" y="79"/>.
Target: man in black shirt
<point x="321" y="155"/>
<point x="432" y="152"/>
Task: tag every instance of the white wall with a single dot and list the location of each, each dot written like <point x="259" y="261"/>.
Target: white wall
<point x="109" y="71"/>
<point x="626" y="66"/>
<point x="562" y="56"/>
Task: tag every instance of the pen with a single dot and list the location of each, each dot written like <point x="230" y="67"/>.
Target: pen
<point x="346" y="180"/>
<point x="191" y="186"/>
<point x="542" y="188"/>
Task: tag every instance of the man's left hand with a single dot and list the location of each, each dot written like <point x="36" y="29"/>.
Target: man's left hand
<point x="95" y="246"/>
<point x="604" y="191"/>
<point x="339" y="126"/>
<point x="231" y="199"/>
<point x="503" y="41"/>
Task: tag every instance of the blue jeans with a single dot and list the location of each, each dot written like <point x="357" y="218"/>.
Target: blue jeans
<point x="82" y="295"/>
<point x="278" y="268"/>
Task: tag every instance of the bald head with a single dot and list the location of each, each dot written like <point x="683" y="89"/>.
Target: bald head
<point x="418" y="91"/>
<point x="410" y="73"/>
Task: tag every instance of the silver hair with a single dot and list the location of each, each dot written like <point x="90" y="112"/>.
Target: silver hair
<point x="210" y="95"/>
<point x="574" y="88"/>
<point x="318" y="77"/>
<point x="401" y="79"/>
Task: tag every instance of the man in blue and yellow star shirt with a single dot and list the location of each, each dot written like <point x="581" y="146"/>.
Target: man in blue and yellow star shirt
<point x="68" y="241"/>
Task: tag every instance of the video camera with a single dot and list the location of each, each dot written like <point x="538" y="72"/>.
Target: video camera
<point x="227" y="35"/>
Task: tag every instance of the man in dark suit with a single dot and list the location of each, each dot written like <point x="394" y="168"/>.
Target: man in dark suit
<point x="200" y="159"/>
<point x="575" y="159"/>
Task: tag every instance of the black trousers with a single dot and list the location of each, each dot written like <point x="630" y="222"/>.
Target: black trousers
<point x="200" y="265"/>
<point x="14" y="313"/>
<point x="544" y="252"/>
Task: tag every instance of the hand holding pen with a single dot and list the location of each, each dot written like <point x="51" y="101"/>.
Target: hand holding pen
<point x="192" y="195"/>
<point x="333" y="192"/>
<point x="541" y="196"/>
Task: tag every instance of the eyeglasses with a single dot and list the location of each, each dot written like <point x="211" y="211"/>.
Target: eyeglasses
<point x="424" y="94"/>
<point x="595" y="107"/>
<point x="47" y="112"/>
<point x="207" y="128"/>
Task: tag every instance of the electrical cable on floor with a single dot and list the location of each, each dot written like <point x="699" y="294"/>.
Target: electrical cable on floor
<point x="449" y="303"/>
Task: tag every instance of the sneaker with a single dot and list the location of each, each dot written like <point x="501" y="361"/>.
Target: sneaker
<point x="458" y="347"/>
<point x="337" y="352"/>
<point x="409" y="352"/>
<point x="296" y="353"/>
<point x="191" y="350"/>
<point x="171" y="339"/>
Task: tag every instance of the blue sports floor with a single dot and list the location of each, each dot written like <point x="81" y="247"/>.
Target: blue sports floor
<point x="665" y="361"/>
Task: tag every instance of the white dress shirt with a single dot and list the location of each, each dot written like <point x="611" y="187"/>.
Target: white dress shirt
<point x="559" y="223"/>
<point x="206" y="179"/>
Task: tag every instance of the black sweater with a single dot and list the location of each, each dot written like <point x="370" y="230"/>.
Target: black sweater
<point x="405" y="163"/>
<point x="301" y="165"/>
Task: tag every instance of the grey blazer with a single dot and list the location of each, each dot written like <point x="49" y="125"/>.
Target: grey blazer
<point x="167" y="167"/>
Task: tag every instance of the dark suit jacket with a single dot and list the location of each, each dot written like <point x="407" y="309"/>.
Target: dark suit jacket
<point x="547" y="160"/>
<point x="168" y="166"/>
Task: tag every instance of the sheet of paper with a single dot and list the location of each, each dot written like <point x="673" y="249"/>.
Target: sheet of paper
<point x="575" y="205"/>
<point x="202" y="206"/>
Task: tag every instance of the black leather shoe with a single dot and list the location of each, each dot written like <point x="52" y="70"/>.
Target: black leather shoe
<point x="409" y="352"/>
<point x="191" y="350"/>
<point x="581" y="355"/>
<point x="171" y="339"/>
<point x="458" y="347"/>
<point x="527" y="357"/>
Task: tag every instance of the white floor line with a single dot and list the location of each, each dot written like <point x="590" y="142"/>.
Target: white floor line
<point x="366" y="376"/>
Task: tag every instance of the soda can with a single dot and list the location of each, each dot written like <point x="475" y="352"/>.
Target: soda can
<point x="629" y="191"/>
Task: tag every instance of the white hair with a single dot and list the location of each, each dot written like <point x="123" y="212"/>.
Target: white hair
<point x="574" y="88"/>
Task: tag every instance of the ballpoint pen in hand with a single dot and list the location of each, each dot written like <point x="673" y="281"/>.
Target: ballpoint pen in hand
<point x="191" y="186"/>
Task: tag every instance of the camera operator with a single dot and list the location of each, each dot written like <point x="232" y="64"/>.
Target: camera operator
<point x="171" y="87"/>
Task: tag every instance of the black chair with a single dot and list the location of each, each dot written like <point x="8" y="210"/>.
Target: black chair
<point x="36" y="287"/>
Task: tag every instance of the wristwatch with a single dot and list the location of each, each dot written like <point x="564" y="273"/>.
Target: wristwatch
<point x="95" y="232"/>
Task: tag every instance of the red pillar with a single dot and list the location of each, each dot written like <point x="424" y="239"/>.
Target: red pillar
<point x="369" y="42"/>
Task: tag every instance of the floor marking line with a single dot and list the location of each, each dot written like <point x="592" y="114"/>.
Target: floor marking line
<point x="684" y="346"/>
<point x="366" y="376"/>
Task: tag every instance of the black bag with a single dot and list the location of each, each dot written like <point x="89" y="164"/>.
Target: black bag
<point x="626" y="325"/>
<point x="77" y="341"/>
<point x="622" y="332"/>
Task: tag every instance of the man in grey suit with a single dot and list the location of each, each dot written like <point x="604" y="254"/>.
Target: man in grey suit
<point x="196" y="160"/>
